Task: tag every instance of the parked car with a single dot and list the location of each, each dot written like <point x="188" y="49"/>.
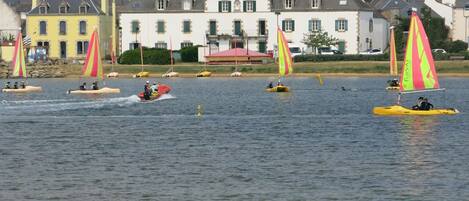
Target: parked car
<point x="372" y="52"/>
<point x="439" y="51"/>
<point x="328" y="51"/>
<point x="295" y="51"/>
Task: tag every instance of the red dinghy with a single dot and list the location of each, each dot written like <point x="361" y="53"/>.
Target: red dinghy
<point x="162" y="89"/>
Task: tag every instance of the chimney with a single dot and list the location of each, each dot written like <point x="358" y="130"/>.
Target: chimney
<point x="104" y="6"/>
<point x="33" y="4"/>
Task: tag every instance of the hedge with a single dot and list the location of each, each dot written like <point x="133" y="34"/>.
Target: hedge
<point x="382" y="57"/>
<point x="150" y="56"/>
<point x="190" y="54"/>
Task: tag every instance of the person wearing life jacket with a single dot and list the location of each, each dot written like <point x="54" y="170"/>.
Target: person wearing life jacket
<point x="23" y="85"/>
<point x="425" y="105"/>
<point x="393" y="83"/>
<point x="154" y="88"/>
<point x="7" y="85"/>
<point x="271" y="85"/>
<point x="15" y="86"/>
<point x="95" y="85"/>
<point x="147" y="91"/>
<point x="419" y="104"/>
<point x="83" y="86"/>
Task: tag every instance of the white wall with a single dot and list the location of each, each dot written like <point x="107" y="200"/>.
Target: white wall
<point x="381" y="34"/>
<point x="10" y="22"/>
<point x="460" y="29"/>
<point x="443" y="10"/>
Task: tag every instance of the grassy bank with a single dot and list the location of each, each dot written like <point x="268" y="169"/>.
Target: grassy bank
<point x="342" y="67"/>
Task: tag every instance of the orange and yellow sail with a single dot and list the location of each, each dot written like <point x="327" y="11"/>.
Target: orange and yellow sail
<point x="284" y="56"/>
<point x="18" y="63"/>
<point x="93" y="66"/>
<point x="392" y="55"/>
<point x="418" y="72"/>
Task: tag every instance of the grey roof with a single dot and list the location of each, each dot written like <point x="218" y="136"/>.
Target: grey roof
<point x="74" y="6"/>
<point x="142" y="6"/>
<point x="461" y="3"/>
<point x="402" y="5"/>
<point x="329" y="5"/>
<point x="19" y="5"/>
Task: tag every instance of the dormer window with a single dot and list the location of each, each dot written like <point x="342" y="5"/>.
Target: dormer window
<point x="43" y="9"/>
<point x="249" y="6"/>
<point x="83" y="8"/>
<point x="288" y="4"/>
<point x="315" y="4"/>
<point x="63" y="8"/>
<point x="342" y="2"/>
<point x="161" y="4"/>
<point x="187" y="4"/>
<point x="466" y="6"/>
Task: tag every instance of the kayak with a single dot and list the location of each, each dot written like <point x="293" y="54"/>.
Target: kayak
<point x="162" y="89"/>
<point x="27" y="89"/>
<point x="104" y="90"/>
<point x="142" y="74"/>
<point x="399" y="110"/>
<point x="204" y="74"/>
<point x="278" y="89"/>
<point x="392" y="88"/>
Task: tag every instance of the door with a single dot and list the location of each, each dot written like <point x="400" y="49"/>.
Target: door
<point x="63" y="49"/>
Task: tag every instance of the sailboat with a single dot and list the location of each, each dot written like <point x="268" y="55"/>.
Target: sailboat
<point x="93" y="67"/>
<point x="141" y="73"/>
<point x="113" y="61"/>
<point x="204" y="72"/>
<point x="171" y="72"/>
<point x="393" y="84"/>
<point x="18" y="65"/>
<point x="236" y="73"/>
<point x="418" y="73"/>
<point x="284" y="62"/>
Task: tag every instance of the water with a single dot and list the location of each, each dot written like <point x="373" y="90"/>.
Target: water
<point x="316" y="143"/>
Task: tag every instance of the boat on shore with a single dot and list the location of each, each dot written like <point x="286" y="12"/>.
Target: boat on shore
<point x="393" y="85"/>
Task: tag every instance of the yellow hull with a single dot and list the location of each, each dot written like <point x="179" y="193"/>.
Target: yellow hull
<point x="27" y="89"/>
<point x="392" y="88"/>
<point x="278" y="89"/>
<point x="142" y="74"/>
<point x="399" y="110"/>
<point x="204" y="74"/>
<point x="104" y="90"/>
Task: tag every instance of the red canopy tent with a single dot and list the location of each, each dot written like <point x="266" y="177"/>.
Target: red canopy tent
<point x="237" y="55"/>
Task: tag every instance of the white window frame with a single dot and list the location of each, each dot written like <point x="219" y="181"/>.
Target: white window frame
<point x="161" y="45"/>
<point x="315" y="4"/>
<point x="342" y="2"/>
<point x="225" y="6"/>
<point x="289" y="25"/>
<point x="249" y="6"/>
<point x="187" y="5"/>
<point x="315" y="25"/>
<point x="186" y="44"/>
<point x="288" y="4"/>
<point x="341" y="25"/>
<point x="161" y="5"/>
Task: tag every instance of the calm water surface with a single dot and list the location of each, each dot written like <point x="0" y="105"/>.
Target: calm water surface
<point x="316" y="143"/>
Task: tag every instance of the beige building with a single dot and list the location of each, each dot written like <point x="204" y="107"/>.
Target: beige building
<point x="460" y="29"/>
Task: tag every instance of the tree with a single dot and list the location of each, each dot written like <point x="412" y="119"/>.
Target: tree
<point x="317" y="39"/>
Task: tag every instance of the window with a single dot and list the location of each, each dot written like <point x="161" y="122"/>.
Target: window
<point x="42" y="27"/>
<point x="224" y="6"/>
<point x="135" y="26"/>
<point x="161" y="45"/>
<point x="370" y="25"/>
<point x="62" y="28"/>
<point x="288" y="25"/>
<point x="288" y="4"/>
<point x="82" y="27"/>
<point x="186" y="26"/>
<point x="43" y="9"/>
<point x="43" y="44"/>
<point x="342" y="2"/>
<point x="249" y="6"/>
<point x="161" y="4"/>
<point x="341" y="25"/>
<point x="83" y="9"/>
<point x="187" y="4"/>
<point x="213" y="27"/>
<point x="315" y="3"/>
<point x="134" y="46"/>
<point x="63" y="9"/>
<point x="186" y="44"/>
<point x="262" y="30"/>
<point x="262" y="46"/>
<point x="314" y="25"/>
<point x="237" y="27"/>
<point x="466" y="6"/>
<point x="82" y="47"/>
<point x="160" y="27"/>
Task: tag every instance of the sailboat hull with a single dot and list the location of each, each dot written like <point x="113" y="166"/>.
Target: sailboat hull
<point x="278" y="89"/>
<point x="392" y="88"/>
<point x="204" y="74"/>
<point x="142" y="74"/>
<point x="27" y="89"/>
<point x="399" y="110"/>
<point x="171" y="74"/>
<point x="104" y="90"/>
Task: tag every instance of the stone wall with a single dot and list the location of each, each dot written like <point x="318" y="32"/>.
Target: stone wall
<point x="35" y="71"/>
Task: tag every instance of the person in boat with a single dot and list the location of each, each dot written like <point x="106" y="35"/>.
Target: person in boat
<point x="15" y="86"/>
<point x="95" y="85"/>
<point x="7" y="85"/>
<point x="425" y="105"/>
<point x="393" y="83"/>
<point x="83" y="86"/>
<point x="271" y="85"/>
<point x="154" y="88"/>
<point x="419" y="104"/>
<point x="23" y="85"/>
<point x="147" y="91"/>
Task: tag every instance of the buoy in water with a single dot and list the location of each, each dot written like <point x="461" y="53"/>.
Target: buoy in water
<point x="199" y="110"/>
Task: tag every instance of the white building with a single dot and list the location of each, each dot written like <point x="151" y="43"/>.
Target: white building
<point x="251" y="24"/>
<point x="460" y="29"/>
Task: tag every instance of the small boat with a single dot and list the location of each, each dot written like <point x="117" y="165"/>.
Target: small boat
<point x="142" y="74"/>
<point x="236" y="74"/>
<point x="18" y="65"/>
<point x="204" y="73"/>
<point x="112" y="74"/>
<point x="418" y="73"/>
<point x="171" y="74"/>
<point x="392" y="63"/>
<point x="285" y="62"/>
<point x="93" y="67"/>
<point x="162" y="89"/>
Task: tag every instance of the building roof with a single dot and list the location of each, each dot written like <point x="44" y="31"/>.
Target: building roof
<point x="328" y="5"/>
<point x="402" y="5"/>
<point x="238" y="52"/>
<point x="461" y="3"/>
<point x="173" y="6"/>
<point x="74" y="5"/>
<point x="19" y="5"/>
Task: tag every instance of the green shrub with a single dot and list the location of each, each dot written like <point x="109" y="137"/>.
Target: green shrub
<point x="150" y="56"/>
<point x="190" y="54"/>
<point x="346" y="57"/>
<point x="457" y="46"/>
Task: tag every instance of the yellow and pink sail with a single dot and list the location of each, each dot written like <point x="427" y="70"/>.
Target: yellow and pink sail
<point x="18" y="63"/>
<point x="284" y="56"/>
<point x="418" y="72"/>
<point x="93" y="66"/>
<point x="392" y="55"/>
